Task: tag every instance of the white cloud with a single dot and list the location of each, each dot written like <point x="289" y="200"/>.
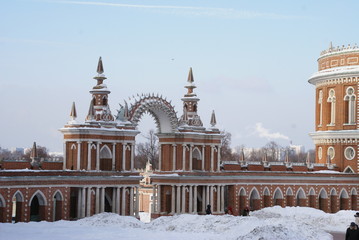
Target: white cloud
<point x="189" y="10"/>
<point x="265" y="133"/>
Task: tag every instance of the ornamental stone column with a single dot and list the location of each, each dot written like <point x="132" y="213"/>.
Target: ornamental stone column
<point x="98" y="156"/>
<point x="78" y="167"/>
<point x="190" y="200"/>
<point x="174" y="157"/>
<point x="64" y="157"/>
<point x="113" y="156"/>
<point x="89" y="155"/>
<point x="88" y="207"/>
<point x="178" y="198"/>
<point x="124" y="157"/>
<point x="97" y="203"/>
<point x="195" y="199"/>
<point x="173" y="201"/>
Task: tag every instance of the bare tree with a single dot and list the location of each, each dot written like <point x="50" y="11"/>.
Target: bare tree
<point x="147" y="151"/>
<point x="226" y="151"/>
<point x="42" y="152"/>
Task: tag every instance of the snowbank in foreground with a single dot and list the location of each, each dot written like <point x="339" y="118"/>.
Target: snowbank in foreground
<point x="296" y="223"/>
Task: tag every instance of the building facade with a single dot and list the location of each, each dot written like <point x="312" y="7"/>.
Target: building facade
<point x="337" y="121"/>
<point x="97" y="173"/>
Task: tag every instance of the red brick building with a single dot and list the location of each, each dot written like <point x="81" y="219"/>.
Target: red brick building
<point x="97" y="173"/>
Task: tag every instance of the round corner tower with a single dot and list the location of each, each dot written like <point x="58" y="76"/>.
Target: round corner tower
<point x="336" y="135"/>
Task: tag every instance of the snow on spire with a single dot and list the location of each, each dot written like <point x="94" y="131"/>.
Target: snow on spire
<point x="33" y="151"/>
<point x="213" y="119"/>
<point x="190" y="85"/>
<point x="100" y="66"/>
<point x="190" y="76"/>
<point x="73" y="114"/>
<point x="125" y="113"/>
<point x="91" y="113"/>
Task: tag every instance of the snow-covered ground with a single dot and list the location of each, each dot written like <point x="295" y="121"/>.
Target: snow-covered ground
<point x="297" y="223"/>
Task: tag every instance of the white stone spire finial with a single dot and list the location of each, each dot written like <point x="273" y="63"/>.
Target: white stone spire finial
<point x="213" y="119"/>
<point x="91" y="113"/>
<point x="73" y="114"/>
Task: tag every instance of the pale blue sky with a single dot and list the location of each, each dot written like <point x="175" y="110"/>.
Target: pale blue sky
<point x="251" y="61"/>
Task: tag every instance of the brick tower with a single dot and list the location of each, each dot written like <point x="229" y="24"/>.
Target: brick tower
<point x="336" y="118"/>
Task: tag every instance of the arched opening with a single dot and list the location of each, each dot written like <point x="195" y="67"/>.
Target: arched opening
<point x="242" y="200"/>
<point x="323" y="200"/>
<point x="312" y="198"/>
<point x="266" y="198"/>
<point x="200" y="200"/>
<point x="333" y="201"/>
<point x="17" y="207"/>
<point x="108" y="202"/>
<point x="289" y="197"/>
<point x="2" y="209"/>
<point x="354" y="199"/>
<point x="57" y="206"/>
<point x="344" y="200"/>
<point x="104" y="101"/>
<point x="254" y="200"/>
<point x="37" y="207"/>
<point x="105" y="159"/>
<point x="73" y="203"/>
<point x="348" y="169"/>
<point x="301" y="199"/>
<point x="196" y="159"/>
<point x="278" y="198"/>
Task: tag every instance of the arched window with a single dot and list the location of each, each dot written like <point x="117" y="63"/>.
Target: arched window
<point x="104" y="101"/>
<point x="331" y="108"/>
<point x="349" y="106"/>
<point x="330" y="155"/>
<point x="320" y="103"/>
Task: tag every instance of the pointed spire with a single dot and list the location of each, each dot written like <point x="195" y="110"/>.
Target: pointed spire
<point x="125" y="113"/>
<point x="242" y="156"/>
<point x="33" y="151"/>
<point x="330" y="46"/>
<point x="213" y="119"/>
<point x="100" y="66"/>
<point x="190" y="76"/>
<point x="91" y="113"/>
<point x="73" y="114"/>
<point x="190" y="85"/>
<point x="265" y="157"/>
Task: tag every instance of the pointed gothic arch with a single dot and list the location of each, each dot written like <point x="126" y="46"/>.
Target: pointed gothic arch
<point x="37" y="205"/>
<point x="323" y="200"/>
<point x="348" y="169"/>
<point x="2" y="209"/>
<point x="311" y="196"/>
<point x="57" y="205"/>
<point x="289" y="197"/>
<point x="162" y="111"/>
<point x="266" y="197"/>
<point x="301" y="198"/>
<point x="196" y="159"/>
<point x="254" y="199"/>
<point x="354" y="198"/>
<point x="105" y="158"/>
<point x="343" y="200"/>
<point x="17" y="206"/>
<point x="333" y="200"/>
<point x="278" y="198"/>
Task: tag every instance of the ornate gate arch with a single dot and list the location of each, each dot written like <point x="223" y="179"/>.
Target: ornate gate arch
<point x="162" y="111"/>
